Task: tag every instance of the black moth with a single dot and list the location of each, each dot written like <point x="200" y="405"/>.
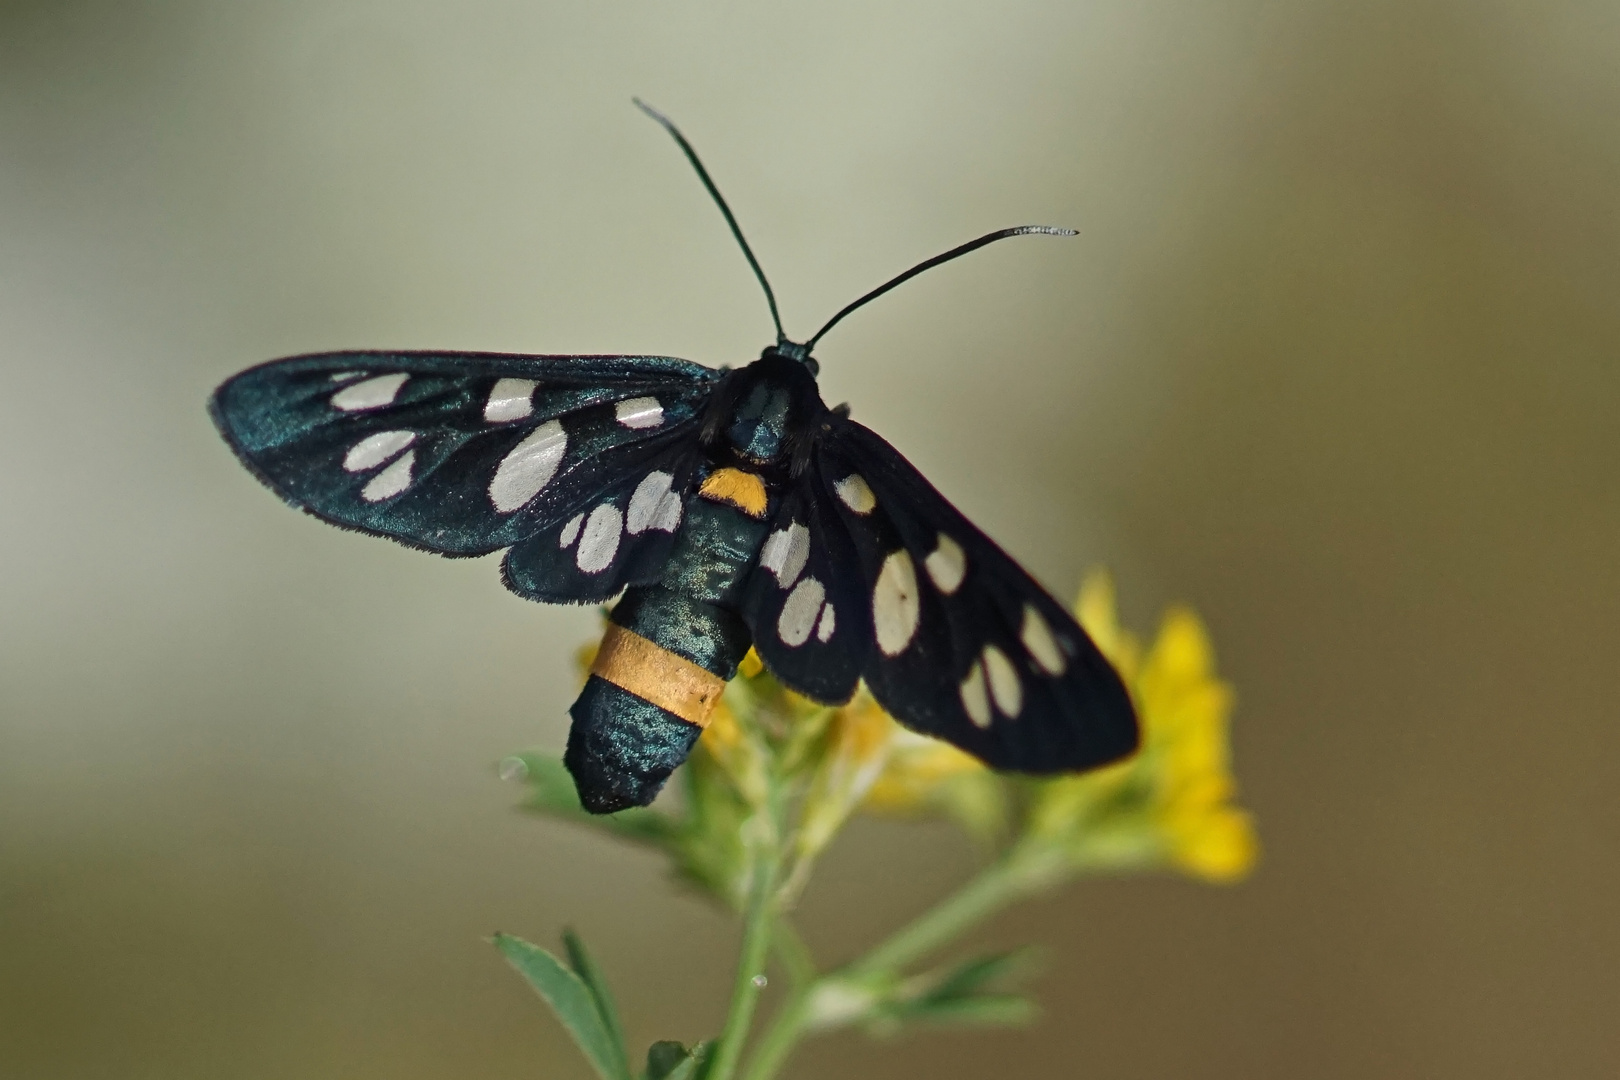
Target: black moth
<point x="730" y="507"/>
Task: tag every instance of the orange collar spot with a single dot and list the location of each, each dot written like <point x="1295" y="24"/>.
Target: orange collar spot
<point x="741" y="489"/>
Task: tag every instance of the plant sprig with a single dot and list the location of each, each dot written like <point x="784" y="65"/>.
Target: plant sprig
<point x="775" y="777"/>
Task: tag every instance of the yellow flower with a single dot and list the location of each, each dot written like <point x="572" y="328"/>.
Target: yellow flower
<point x="1179" y="787"/>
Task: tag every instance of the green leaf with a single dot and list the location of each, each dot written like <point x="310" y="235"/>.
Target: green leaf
<point x="988" y="1010"/>
<point x="596" y="983"/>
<point x="672" y="1061"/>
<point x="669" y="1061"/>
<point x="968" y="977"/>
<point x="953" y="996"/>
<point x="572" y="1003"/>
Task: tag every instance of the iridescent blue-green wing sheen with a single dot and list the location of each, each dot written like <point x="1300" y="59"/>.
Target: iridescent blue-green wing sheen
<point x="965" y="645"/>
<point x="624" y="536"/>
<point x="804" y="601"/>
<point x="459" y="453"/>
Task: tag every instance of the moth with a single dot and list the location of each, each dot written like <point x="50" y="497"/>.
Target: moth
<point x="724" y="507"/>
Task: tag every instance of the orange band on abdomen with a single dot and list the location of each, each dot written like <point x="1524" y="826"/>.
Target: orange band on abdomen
<point x="654" y="674"/>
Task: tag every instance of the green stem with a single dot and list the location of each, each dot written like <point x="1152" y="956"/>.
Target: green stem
<point x="794" y="956"/>
<point x="1022" y="871"/>
<point x="756" y="947"/>
<point x="787" y="1026"/>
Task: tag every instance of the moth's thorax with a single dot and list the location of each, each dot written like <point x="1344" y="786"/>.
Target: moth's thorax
<point x="764" y="409"/>
<point x="759" y="423"/>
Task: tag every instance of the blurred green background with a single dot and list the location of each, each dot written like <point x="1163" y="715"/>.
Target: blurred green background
<point x="1335" y="360"/>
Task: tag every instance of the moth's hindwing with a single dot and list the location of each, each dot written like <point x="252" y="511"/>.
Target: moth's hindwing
<point x="965" y="645"/>
<point x="804" y="601"/>
<point x="459" y="453"/>
<point x="623" y="537"/>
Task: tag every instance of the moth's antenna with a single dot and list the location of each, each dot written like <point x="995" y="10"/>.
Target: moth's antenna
<point x="972" y="245"/>
<point x="714" y="192"/>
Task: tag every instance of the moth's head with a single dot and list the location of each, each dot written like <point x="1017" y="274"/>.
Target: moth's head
<point x="768" y="398"/>
<point x="792" y="350"/>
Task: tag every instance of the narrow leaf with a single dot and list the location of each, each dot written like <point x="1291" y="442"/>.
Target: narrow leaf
<point x="970" y="976"/>
<point x="672" y="1061"/>
<point x="570" y="1000"/>
<point x="669" y="1061"/>
<point x="596" y="983"/>
<point x="685" y="1069"/>
<point x="988" y="1010"/>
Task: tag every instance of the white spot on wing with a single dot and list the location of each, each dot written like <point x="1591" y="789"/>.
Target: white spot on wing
<point x="647" y="502"/>
<point x="391" y="481"/>
<point x="570" y="531"/>
<point x="825" y="625"/>
<point x="510" y="399"/>
<point x="528" y="467"/>
<point x="855" y="493"/>
<point x="668" y="518"/>
<point x="785" y="553"/>
<point x="799" y="613"/>
<point x="1004" y="684"/>
<point x="974" y="699"/>
<point x="641" y="412"/>
<point x="371" y="394"/>
<point x="1037" y="638"/>
<point x="946" y="565"/>
<point x="895" y="605"/>
<point x="373" y="450"/>
<point x="601" y="540"/>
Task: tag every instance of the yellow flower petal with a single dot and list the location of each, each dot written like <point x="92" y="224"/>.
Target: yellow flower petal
<point x="1099" y="616"/>
<point x="1176" y="795"/>
<point x="1182" y="651"/>
<point x="1219" y="846"/>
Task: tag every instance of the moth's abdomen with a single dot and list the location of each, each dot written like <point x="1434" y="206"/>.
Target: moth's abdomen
<point x="668" y="653"/>
<point x="662" y="666"/>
